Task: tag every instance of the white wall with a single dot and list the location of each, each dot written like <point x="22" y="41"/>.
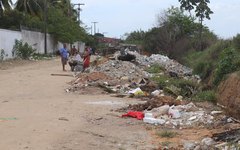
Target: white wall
<point x="7" y="40"/>
<point x="36" y="40"/>
<point x="33" y="38"/>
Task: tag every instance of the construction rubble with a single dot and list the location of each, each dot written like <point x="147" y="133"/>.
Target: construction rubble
<point x="123" y="76"/>
<point x="128" y="78"/>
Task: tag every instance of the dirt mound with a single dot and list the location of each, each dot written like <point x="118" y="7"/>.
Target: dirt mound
<point x="229" y="94"/>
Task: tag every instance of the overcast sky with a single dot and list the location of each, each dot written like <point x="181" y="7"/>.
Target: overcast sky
<point x="117" y="17"/>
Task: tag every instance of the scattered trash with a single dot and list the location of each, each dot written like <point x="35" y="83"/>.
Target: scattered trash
<point x="228" y="136"/>
<point x="216" y="112"/>
<point x="63" y="119"/>
<point x="135" y="114"/>
<point x="163" y="110"/>
<point x="100" y="118"/>
<point x="156" y="92"/>
<point x="55" y="74"/>
<point x="179" y="98"/>
<point x="136" y="92"/>
<point x="174" y="113"/>
<point x="148" y="118"/>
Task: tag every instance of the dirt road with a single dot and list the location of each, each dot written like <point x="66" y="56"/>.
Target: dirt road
<point x="37" y="114"/>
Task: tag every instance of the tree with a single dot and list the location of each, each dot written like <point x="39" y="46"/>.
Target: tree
<point x="32" y="7"/>
<point x="173" y="27"/>
<point x="135" y="37"/>
<point x="5" y="5"/>
<point x="11" y="19"/>
<point x="176" y="34"/>
<point x="64" y="29"/>
<point x="201" y="9"/>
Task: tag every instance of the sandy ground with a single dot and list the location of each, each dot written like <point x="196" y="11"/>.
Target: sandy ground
<point x="37" y="114"/>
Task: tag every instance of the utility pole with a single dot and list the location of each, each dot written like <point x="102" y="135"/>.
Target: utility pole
<point x="45" y="26"/>
<point x="79" y="9"/>
<point x="91" y="30"/>
<point x="94" y="24"/>
<point x="45" y="22"/>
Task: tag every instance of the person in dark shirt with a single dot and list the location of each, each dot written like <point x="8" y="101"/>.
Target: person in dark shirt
<point x="73" y="51"/>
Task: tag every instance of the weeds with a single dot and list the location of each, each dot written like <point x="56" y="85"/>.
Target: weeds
<point x="167" y="134"/>
<point x="2" y="55"/>
<point x="175" y="86"/>
<point x="206" y="96"/>
<point x="155" y="69"/>
<point x="21" y="50"/>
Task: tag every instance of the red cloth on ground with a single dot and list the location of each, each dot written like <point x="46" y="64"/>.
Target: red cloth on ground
<point x="135" y="114"/>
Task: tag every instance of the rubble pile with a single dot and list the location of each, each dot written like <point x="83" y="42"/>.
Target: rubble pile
<point x="120" y="69"/>
<point x="169" y="64"/>
<point x="90" y="77"/>
<point x="123" y="76"/>
<point x="85" y="80"/>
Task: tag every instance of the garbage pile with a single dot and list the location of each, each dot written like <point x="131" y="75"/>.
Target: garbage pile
<point x="169" y="64"/>
<point x="178" y="116"/>
<point x="127" y="77"/>
<point x="173" y="113"/>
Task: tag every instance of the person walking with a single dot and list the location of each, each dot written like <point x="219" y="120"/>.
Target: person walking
<point x="64" y="56"/>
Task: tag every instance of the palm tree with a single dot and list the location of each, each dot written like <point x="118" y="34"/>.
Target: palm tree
<point x="36" y="7"/>
<point x="5" y="4"/>
<point x="32" y="7"/>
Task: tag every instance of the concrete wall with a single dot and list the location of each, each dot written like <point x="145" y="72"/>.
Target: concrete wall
<point x="36" y="40"/>
<point x="33" y="38"/>
<point x="7" y="40"/>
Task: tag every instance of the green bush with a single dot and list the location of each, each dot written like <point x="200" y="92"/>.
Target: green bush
<point x="24" y="51"/>
<point x="236" y="42"/>
<point x="214" y="51"/>
<point x="227" y="64"/>
<point x="206" y="96"/>
<point x="205" y="62"/>
<point x="203" y="69"/>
